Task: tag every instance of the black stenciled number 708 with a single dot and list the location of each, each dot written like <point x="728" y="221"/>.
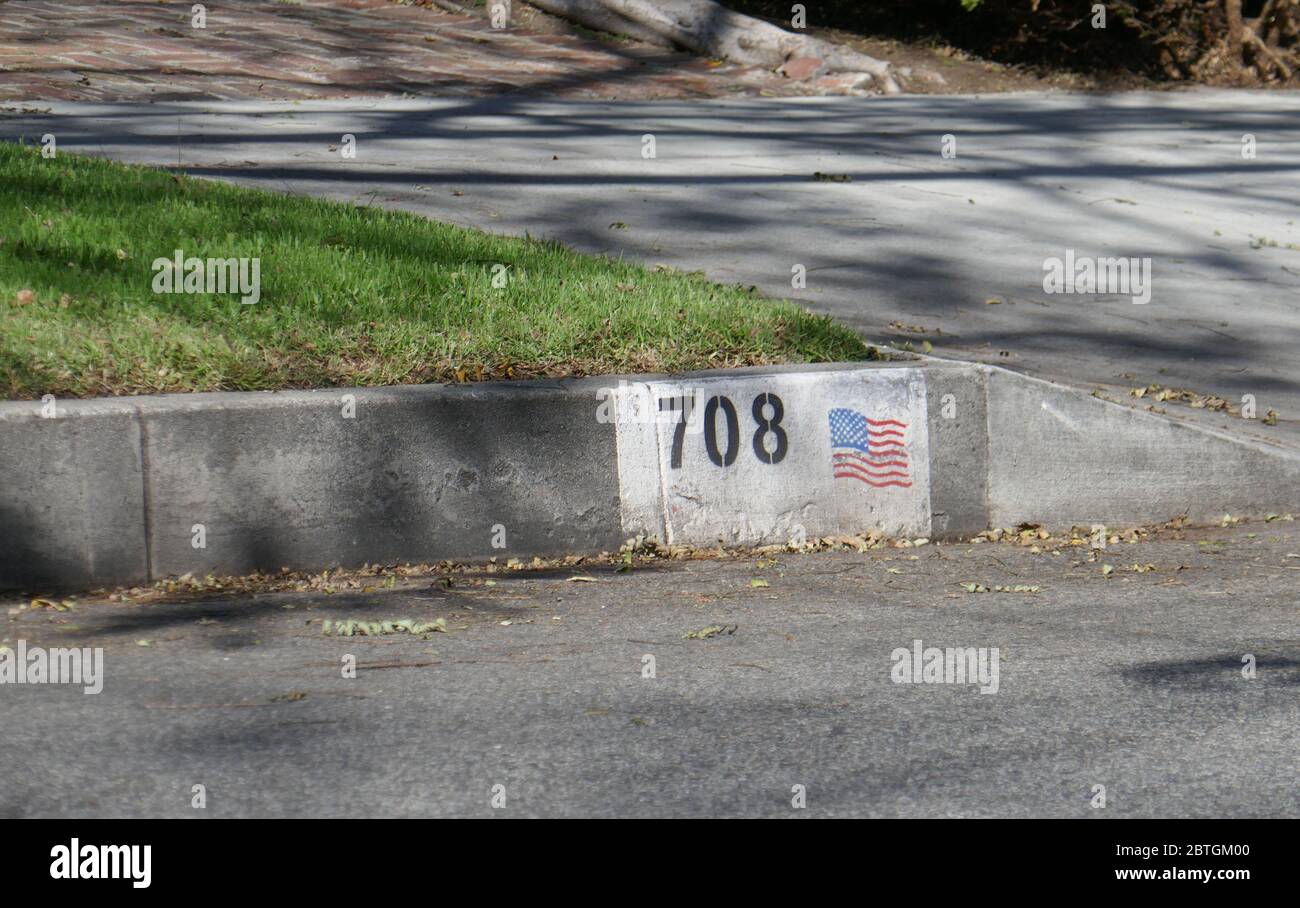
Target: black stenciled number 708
<point x="725" y="457"/>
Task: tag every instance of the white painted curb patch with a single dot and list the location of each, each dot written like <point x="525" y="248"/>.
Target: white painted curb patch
<point x="759" y="459"/>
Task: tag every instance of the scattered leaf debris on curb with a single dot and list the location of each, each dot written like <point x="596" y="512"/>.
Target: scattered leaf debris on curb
<point x="636" y="552"/>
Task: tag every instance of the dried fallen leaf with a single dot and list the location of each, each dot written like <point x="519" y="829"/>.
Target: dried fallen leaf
<point x="352" y="628"/>
<point x="713" y="630"/>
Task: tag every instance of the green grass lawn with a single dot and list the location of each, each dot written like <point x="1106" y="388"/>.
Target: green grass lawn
<point x="349" y="295"/>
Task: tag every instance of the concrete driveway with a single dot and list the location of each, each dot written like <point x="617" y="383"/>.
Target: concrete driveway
<point x="897" y="240"/>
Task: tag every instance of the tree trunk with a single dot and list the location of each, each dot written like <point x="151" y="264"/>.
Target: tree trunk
<point x="713" y="30"/>
<point x="1232" y="12"/>
<point x="596" y="15"/>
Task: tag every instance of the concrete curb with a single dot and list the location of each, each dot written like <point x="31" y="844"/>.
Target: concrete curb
<point x="128" y="490"/>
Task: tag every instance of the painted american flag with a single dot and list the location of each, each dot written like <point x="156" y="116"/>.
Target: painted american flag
<point x="873" y="451"/>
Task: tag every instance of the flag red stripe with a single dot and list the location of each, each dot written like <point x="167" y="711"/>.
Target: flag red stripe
<point x="879" y="485"/>
<point x="874" y="474"/>
<point x="872" y="463"/>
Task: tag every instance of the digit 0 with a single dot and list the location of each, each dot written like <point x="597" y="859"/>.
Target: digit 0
<point x="711" y="431"/>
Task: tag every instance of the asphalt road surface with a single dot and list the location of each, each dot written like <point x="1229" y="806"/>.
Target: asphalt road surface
<point x="1130" y="679"/>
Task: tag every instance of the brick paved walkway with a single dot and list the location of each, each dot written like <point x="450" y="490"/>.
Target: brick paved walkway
<point x="96" y="50"/>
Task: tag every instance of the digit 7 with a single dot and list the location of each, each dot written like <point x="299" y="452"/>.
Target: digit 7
<point x="682" y="405"/>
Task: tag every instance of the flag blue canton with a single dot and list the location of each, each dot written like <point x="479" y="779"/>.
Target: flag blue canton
<point x="848" y="429"/>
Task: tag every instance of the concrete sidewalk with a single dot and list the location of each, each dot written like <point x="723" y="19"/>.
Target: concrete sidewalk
<point x="1131" y="680"/>
<point x="913" y="249"/>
